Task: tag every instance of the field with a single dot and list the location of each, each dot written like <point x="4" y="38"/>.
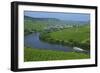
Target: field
<point x="33" y="54"/>
<point x="76" y="36"/>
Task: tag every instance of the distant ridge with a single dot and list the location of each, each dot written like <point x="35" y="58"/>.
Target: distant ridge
<point x="40" y="19"/>
<point x="56" y="21"/>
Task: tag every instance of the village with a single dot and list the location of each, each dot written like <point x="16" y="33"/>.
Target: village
<point x="56" y="27"/>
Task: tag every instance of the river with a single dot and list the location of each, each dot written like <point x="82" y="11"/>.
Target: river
<point x="33" y="41"/>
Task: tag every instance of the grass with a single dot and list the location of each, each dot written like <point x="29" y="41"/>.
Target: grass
<point x="78" y="34"/>
<point x="33" y="54"/>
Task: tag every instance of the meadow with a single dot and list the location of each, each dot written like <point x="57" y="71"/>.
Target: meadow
<point x="33" y="54"/>
<point x="75" y="36"/>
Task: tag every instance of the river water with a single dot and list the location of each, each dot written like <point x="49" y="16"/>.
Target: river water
<point x="33" y="41"/>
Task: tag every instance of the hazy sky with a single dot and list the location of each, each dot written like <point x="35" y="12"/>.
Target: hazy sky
<point x="59" y="15"/>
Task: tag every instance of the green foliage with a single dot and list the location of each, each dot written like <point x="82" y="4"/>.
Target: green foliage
<point x="33" y="26"/>
<point x="78" y="34"/>
<point x="70" y="37"/>
<point x="33" y="54"/>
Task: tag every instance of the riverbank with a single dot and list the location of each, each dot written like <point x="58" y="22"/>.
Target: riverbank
<point x="34" y="54"/>
<point x="33" y="40"/>
<point x="78" y="37"/>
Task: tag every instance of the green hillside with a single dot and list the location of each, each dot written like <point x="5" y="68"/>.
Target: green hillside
<point x="33" y="54"/>
<point x="76" y="36"/>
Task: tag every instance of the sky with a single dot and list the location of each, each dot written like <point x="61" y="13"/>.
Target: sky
<point x="59" y="15"/>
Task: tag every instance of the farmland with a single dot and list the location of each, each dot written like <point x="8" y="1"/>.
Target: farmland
<point x="76" y="36"/>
